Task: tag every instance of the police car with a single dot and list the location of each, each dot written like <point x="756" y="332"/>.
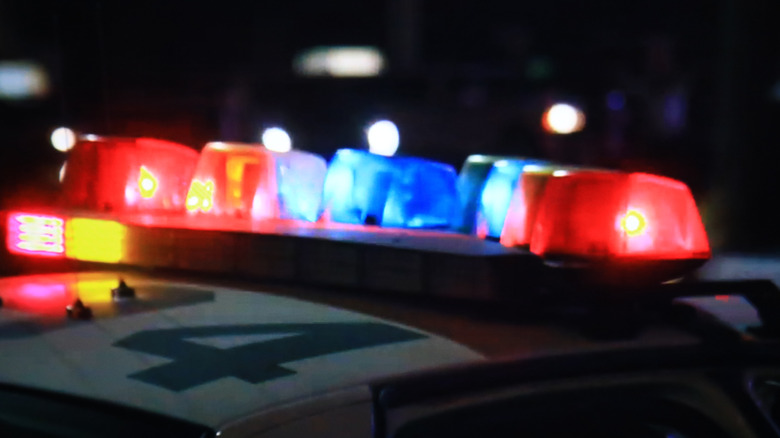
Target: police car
<point x="244" y="292"/>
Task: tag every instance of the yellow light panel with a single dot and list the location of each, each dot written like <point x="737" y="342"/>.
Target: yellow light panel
<point x="95" y="240"/>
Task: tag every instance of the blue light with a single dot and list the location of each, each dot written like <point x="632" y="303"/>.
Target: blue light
<point x="300" y="177"/>
<point x="356" y="186"/>
<point x="497" y="195"/>
<point x="423" y="195"/>
<point x="471" y="181"/>
<point x="365" y="188"/>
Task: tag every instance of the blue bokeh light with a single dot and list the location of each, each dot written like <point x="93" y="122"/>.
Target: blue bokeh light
<point x="616" y="100"/>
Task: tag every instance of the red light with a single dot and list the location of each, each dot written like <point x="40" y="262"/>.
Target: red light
<point x="36" y="234"/>
<point x="235" y="179"/>
<point x="596" y="214"/>
<point x="128" y="174"/>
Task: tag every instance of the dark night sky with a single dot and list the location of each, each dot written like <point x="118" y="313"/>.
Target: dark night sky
<point x="149" y="41"/>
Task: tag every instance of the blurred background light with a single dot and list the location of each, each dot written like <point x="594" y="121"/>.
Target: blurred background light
<point x="276" y="139"/>
<point x="616" y="100"/>
<point x="563" y="118"/>
<point x="22" y="80"/>
<point x="63" y="139"/>
<point x="340" y="62"/>
<point x="383" y="138"/>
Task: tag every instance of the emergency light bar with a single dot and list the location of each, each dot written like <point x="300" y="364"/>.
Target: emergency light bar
<point x="128" y="175"/>
<point x="238" y="191"/>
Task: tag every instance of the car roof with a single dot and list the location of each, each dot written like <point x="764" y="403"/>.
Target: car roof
<point x="177" y="347"/>
<point x="187" y="340"/>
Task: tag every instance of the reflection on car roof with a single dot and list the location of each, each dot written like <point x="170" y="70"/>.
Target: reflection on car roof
<point x="176" y="347"/>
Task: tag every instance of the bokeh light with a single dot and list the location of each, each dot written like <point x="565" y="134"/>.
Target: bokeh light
<point x="63" y="139"/>
<point x="383" y="138"/>
<point x="276" y="139"/>
<point x="563" y="118"/>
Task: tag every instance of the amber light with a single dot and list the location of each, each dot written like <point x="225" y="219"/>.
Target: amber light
<point x="147" y="183"/>
<point x="633" y="223"/>
<point x="201" y="196"/>
<point x="95" y="240"/>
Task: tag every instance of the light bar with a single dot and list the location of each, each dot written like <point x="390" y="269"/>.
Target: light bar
<point x="234" y="179"/>
<point x="34" y="234"/>
<point x="497" y="194"/>
<point x="607" y="215"/>
<point x="123" y="175"/>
